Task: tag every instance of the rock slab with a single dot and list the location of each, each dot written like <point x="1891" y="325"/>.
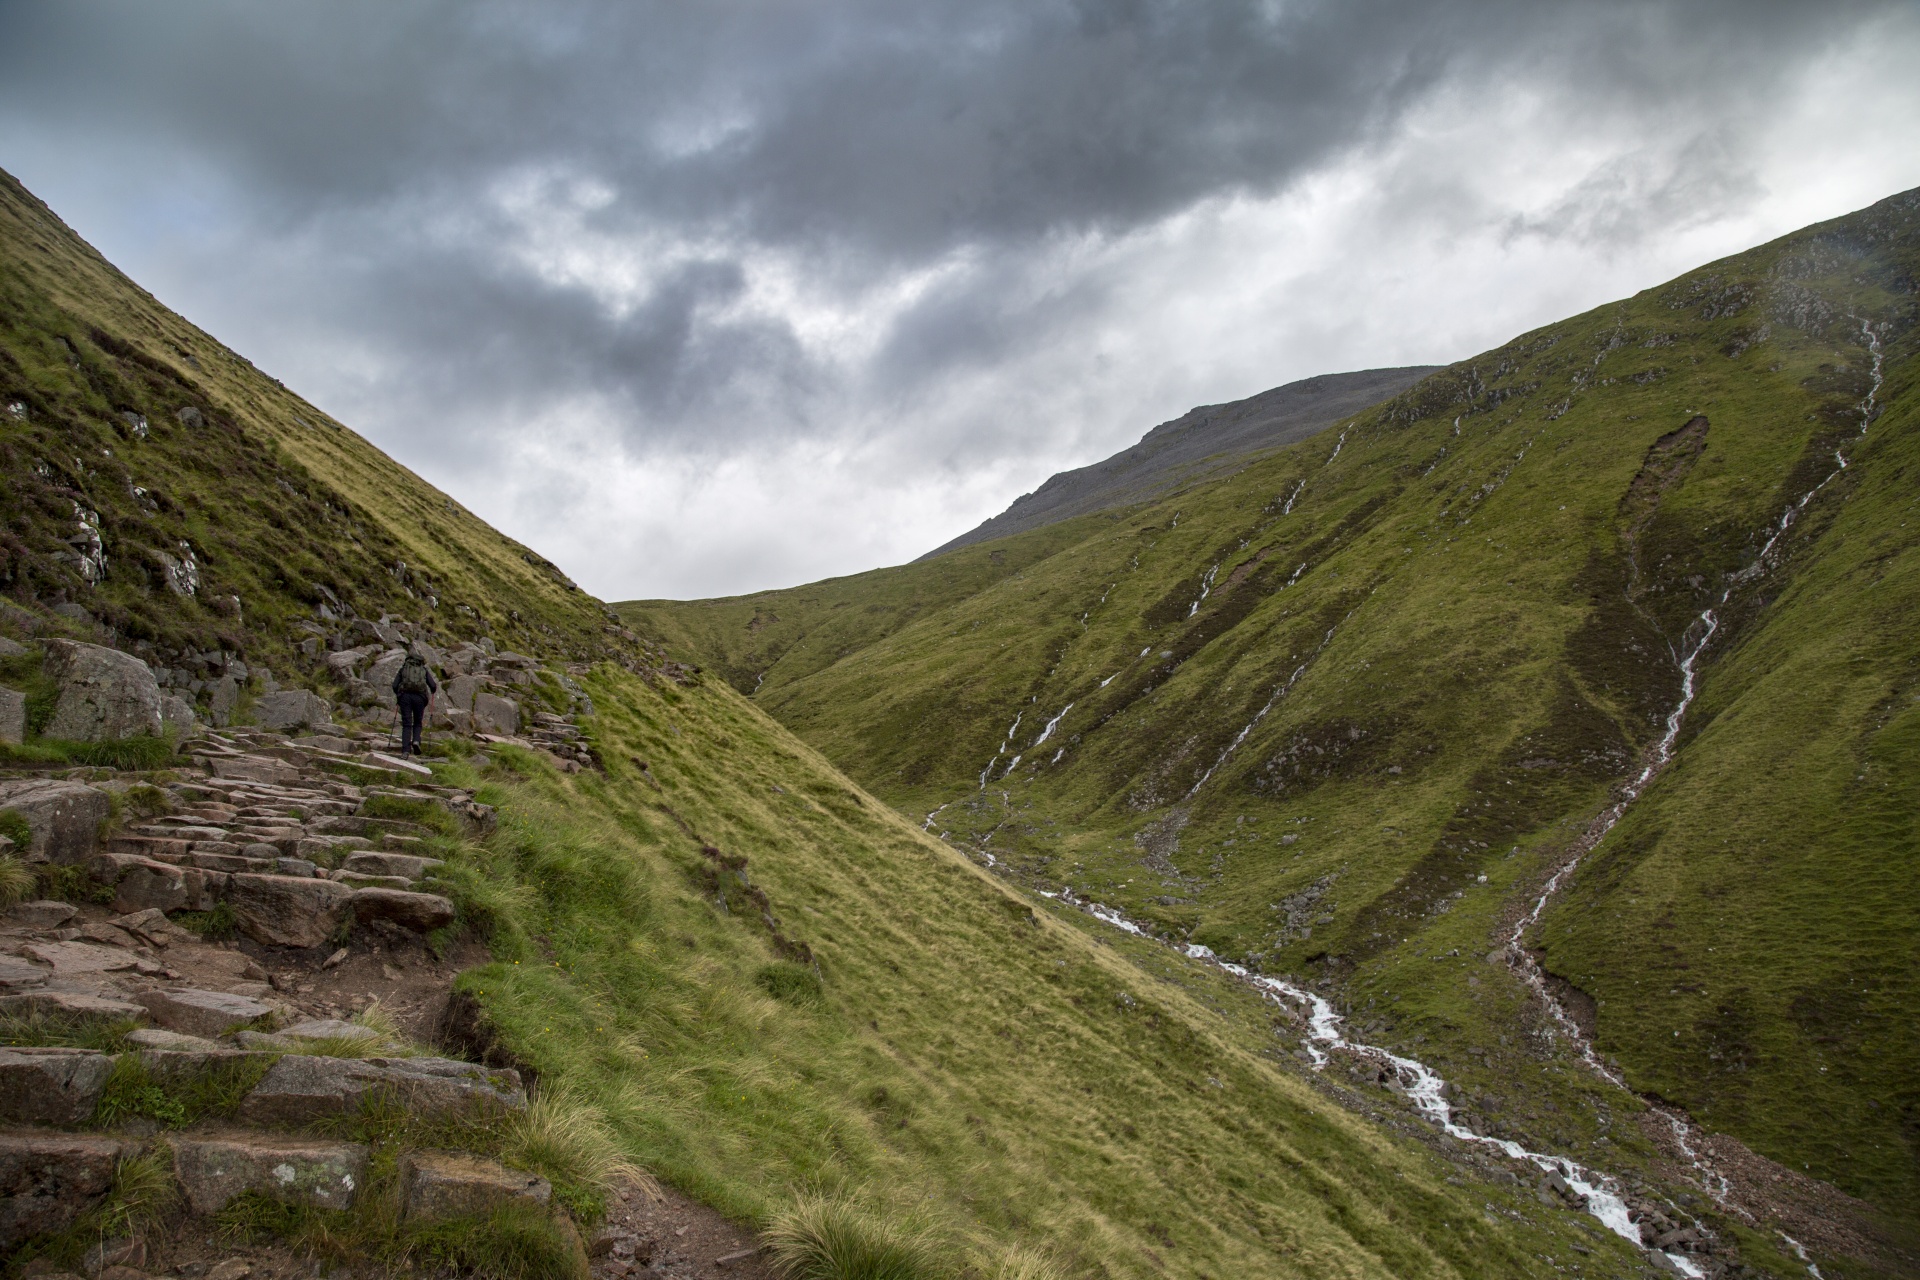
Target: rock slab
<point x="437" y="1185"/>
<point x="51" y="1086"/>
<point x="287" y="911"/>
<point x="105" y="695"/>
<point x="13" y="715"/>
<point x="421" y="912"/>
<point x="324" y="1175"/>
<point x="301" y="1089"/>
<point x="49" y="1179"/>
<point x="206" y="1013"/>
<point x="292" y="709"/>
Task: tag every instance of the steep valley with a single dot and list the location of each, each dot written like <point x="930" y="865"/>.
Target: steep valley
<point x="1599" y="642"/>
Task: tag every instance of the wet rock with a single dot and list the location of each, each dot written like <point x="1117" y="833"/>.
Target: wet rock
<point x="43" y="914"/>
<point x="13" y="715"/>
<point x="105" y="695"/>
<point x="324" y="1175"/>
<point x="436" y="1185"/>
<point x="421" y="912"/>
<point x="49" y="1179"/>
<point x="302" y="1089"/>
<point x="51" y="1086"/>
<point x="65" y="816"/>
<point x="405" y="865"/>
<point x="287" y="911"/>
<point x="293" y="709"/>
<point x="206" y="1013"/>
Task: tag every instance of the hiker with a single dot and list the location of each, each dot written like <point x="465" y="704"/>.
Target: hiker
<point x="413" y="690"/>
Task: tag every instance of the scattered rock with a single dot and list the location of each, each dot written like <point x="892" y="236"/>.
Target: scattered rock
<point x="293" y="709"/>
<point x="49" y="1179"/>
<point x="230" y="1269"/>
<point x="301" y="1089"/>
<point x="206" y="1013"/>
<point x="421" y="912"/>
<point x="51" y="1086"/>
<point x="287" y="911"/>
<point x="65" y="816"/>
<point x="437" y="1185"/>
<point x="212" y="1171"/>
<point x="105" y="695"/>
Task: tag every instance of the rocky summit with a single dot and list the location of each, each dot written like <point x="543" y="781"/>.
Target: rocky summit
<point x="1446" y="823"/>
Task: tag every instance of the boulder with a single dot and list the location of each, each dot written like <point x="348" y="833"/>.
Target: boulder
<point x="44" y="914"/>
<point x="105" y="695"/>
<point x="13" y="715"/>
<point x="421" y="912"/>
<point x="51" y="1086"/>
<point x="301" y="1089"/>
<point x="459" y="693"/>
<point x="142" y="884"/>
<point x="436" y="1185"/>
<point x="49" y="1179"/>
<point x="65" y="816"/>
<point x="379" y="677"/>
<point x="494" y="714"/>
<point x="411" y="866"/>
<point x="206" y="1013"/>
<point x="324" y="1175"/>
<point x="292" y="709"/>
<point x="287" y="911"/>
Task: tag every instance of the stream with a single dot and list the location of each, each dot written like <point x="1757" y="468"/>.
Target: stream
<point x="1423" y="1086"/>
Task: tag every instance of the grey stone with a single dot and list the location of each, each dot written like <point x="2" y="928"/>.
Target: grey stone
<point x="79" y="960"/>
<point x="141" y="884"/>
<point x="287" y="911"/>
<point x="206" y="1013"/>
<point x="295" y="867"/>
<point x="176" y="716"/>
<point x="421" y="912"/>
<point x="51" y="1086"/>
<point x="301" y="1089"/>
<point x="436" y="1185"/>
<point x="49" y="1179"/>
<point x="324" y="1175"/>
<point x="254" y="768"/>
<point x="11" y="648"/>
<point x="494" y="714"/>
<point x="19" y="975"/>
<point x="105" y="695"/>
<point x="380" y="675"/>
<point x="328" y="1029"/>
<point x="460" y="692"/>
<point x="44" y="914"/>
<point x="13" y="714"/>
<point x="292" y="709"/>
<point x="222" y="698"/>
<point x="361" y="880"/>
<point x="407" y="865"/>
<point x="65" y="816"/>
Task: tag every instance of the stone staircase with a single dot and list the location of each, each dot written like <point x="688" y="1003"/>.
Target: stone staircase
<point x="289" y="838"/>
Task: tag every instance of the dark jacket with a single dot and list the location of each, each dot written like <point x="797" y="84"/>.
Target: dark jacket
<point x="432" y="686"/>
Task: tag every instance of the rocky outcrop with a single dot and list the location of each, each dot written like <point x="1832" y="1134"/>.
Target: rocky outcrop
<point x="105" y="695"/>
<point x="292" y="709"/>
<point x="65" y="816"/>
<point x="287" y="911"/>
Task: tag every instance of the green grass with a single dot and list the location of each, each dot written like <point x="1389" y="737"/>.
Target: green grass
<point x="178" y="1097"/>
<point x="1502" y="597"/>
<point x="820" y="1238"/>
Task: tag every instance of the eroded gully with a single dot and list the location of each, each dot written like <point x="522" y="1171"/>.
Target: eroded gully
<point x="1425" y="1088"/>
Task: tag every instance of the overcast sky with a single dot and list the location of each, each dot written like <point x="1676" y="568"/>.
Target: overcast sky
<point x="703" y="298"/>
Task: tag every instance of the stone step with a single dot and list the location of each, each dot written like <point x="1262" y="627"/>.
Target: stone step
<point x="370" y="880"/>
<point x="406" y="865"/>
<point x="313" y="1172"/>
<point x="53" y="1178"/>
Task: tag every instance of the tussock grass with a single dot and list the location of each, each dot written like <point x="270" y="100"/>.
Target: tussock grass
<point x="177" y="1097"/>
<point x="40" y="1030"/>
<point x="16" y="880"/>
<point x="567" y="1140"/>
<point x="831" y="1238"/>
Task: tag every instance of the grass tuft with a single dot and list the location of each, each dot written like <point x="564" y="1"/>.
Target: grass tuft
<point x="567" y="1141"/>
<point x="16" y="880"/>
<point x="216" y="925"/>
<point x="793" y="983"/>
<point x="40" y="1030"/>
<point x="830" y="1238"/>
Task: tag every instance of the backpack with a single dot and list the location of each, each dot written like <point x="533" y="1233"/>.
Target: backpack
<point x="413" y="676"/>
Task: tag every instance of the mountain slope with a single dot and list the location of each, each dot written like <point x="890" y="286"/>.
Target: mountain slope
<point x="1201" y="443"/>
<point x="767" y="983"/>
<point x="1341" y="714"/>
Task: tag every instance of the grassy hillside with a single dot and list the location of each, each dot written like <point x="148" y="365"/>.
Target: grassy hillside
<point x="765" y="982"/>
<point x="1336" y="715"/>
<point x="143" y="457"/>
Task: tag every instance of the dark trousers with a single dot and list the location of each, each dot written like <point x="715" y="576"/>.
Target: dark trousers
<point x="413" y="708"/>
